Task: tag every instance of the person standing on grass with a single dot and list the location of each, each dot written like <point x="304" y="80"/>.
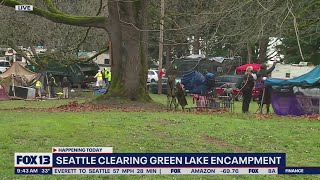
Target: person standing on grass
<point x="109" y="78"/>
<point x="262" y="75"/>
<point x="65" y="87"/>
<point x="52" y="83"/>
<point x="99" y="77"/>
<point x="38" y="87"/>
<point x="248" y="84"/>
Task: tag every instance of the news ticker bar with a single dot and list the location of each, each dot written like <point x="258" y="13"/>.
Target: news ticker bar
<point x="168" y="171"/>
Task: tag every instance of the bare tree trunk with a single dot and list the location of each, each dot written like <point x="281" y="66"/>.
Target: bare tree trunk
<point x="263" y="49"/>
<point x="129" y="49"/>
<point x="168" y="56"/>
<point x="110" y="54"/>
<point x="249" y="50"/>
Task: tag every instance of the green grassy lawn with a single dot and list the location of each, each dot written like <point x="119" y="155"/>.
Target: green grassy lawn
<point x="25" y="131"/>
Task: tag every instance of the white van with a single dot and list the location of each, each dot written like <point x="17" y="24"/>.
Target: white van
<point x="4" y="64"/>
<point x="152" y="76"/>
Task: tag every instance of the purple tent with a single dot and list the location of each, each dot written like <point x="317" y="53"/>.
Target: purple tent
<point x="290" y="103"/>
<point x="286" y="103"/>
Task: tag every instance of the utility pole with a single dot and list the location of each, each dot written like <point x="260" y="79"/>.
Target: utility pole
<point x="161" y="48"/>
<point x="110" y="54"/>
<point x="249" y="53"/>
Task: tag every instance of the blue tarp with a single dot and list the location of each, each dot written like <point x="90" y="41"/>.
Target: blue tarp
<point x="194" y="82"/>
<point x="309" y="79"/>
<point x="101" y="91"/>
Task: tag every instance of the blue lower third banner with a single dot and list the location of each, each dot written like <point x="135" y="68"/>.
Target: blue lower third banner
<point x="170" y="160"/>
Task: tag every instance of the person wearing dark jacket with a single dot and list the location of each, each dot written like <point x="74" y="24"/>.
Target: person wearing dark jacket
<point x="65" y="87"/>
<point x="263" y="72"/>
<point x="52" y="83"/>
<point x="248" y="84"/>
<point x="262" y="75"/>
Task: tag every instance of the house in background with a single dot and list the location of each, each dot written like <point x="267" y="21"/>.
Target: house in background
<point x="13" y="56"/>
<point x="103" y="60"/>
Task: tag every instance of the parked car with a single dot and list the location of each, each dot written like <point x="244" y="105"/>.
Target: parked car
<point x="153" y="86"/>
<point x="4" y="65"/>
<point x="152" y="76"/>
<point x="221" y="80"/>
<point x="215" y="65"/>
<point x="229" y="88"/>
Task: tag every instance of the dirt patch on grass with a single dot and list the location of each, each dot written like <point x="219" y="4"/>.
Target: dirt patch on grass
<point x="124" y="104"/>
<point x="77" y="107"/>
<point x="70" y="107"/>
<point x="157" y="132"/>
<point x="167" y="121"/>
<point x="221" y="143"/>
<point x="74" y="106"/>
<point x="314" y="117"/>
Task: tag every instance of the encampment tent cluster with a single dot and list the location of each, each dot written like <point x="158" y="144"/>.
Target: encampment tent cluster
<point x="285" y="98"/>
<point x="18" y="81"/>
<point x="17" y="75"/>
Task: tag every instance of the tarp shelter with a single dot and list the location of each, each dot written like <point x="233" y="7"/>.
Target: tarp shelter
<point x="18" y="75"/>
<point x="243" y="68"/>
<point x="290" y="103"/>
<point x="194" y="82"/>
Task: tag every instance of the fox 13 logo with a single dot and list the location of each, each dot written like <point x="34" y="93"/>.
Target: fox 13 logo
<point x="33" y="159"/>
